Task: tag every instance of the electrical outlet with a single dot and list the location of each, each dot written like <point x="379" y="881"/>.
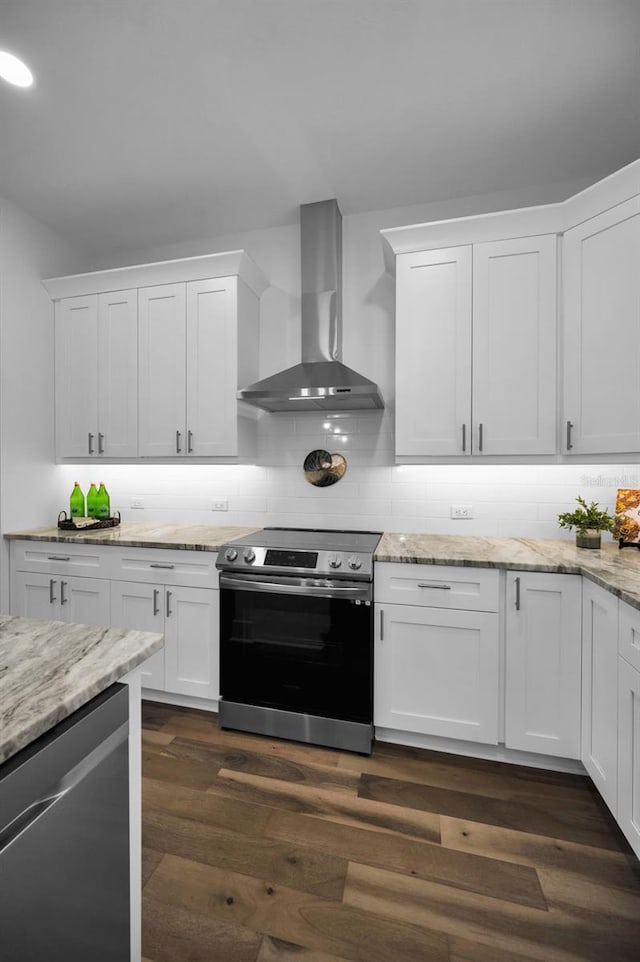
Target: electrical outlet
<point x="462" y="511"/>
<point x="219" y="505"/>
<point x="137" y="502"/>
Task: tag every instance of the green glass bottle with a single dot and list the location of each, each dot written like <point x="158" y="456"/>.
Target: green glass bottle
<point x="76" y="501"/>
<point x="103" y="506"/>
<point x="92" y="495"/>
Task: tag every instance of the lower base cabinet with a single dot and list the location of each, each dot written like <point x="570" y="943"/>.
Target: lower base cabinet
<point x="542" y="663"/>
<point x="437" y="672"/>
<point x="188" y="617"/>
<point x="628" y="814"/>
<point x="599" y="753"/>
<point x="60" y="597"/>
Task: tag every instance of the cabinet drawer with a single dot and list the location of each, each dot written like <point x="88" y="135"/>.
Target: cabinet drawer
<point x="629" y="634"/>
<point x="196" y="569"/>
<point x="437" y="586"/>
<point x="51" y="557"/>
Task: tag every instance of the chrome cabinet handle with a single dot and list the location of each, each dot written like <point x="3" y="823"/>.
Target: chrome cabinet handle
<point x="90" y="442"/>
<point x="58" y="557"/>
<point x="169" y="593"/>
<point x="178" y="442"/>
<point x="101" y="444"/>
<point x="422" y="584"/>
<point x="480" y="433"/>
<point x="63" y="600"/>
<point x="156" y="609"/>
<point x="52" y="597"/>
<point x="189" y="442"/>
<point x="159" y="564"/>
<point x="382" y="624"/>
<point x="569" y="442"/>
<point x="517" y="583"/>
<point x="464" y="437"/>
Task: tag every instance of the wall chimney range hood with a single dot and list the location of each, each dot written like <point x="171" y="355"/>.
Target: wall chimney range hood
<point x="321" y="381"/>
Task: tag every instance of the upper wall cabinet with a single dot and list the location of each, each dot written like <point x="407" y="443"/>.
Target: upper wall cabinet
<point x="476" y="349"/>
<point x="149" y="359"/>
<point x="96" y="348"/>
<point x="601" y="259"/>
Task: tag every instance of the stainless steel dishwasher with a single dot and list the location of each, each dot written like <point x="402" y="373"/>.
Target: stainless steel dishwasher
<point x="64" y="840"/>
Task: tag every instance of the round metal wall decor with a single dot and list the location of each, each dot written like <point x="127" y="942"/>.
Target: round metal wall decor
<point x="323" y="469"/>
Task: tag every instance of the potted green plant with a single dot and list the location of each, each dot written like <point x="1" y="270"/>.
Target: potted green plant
<point x="589" y="521"/>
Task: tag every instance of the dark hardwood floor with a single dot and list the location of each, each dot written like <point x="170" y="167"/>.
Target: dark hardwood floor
<point x="258" y="850"/>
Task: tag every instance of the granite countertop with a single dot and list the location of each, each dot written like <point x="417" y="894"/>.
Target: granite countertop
<point x="617" y="570"/>
<point x="145" y="534"/>
<point x="48" y="669"/>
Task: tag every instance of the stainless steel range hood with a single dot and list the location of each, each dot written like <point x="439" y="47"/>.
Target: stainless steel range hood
<point x="321" y="381"/>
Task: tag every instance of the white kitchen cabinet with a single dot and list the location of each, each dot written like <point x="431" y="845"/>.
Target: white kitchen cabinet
<point x="162" y="370"/>
<point x="433" y="352"/>
<point x="149" y="360"/>
<point x="188" y="618"/>
<point x="476" y="349"/>
<point x="60" y="597"/>
<point x="96" y="351"/>
<point x="542" y="663"/>
<point x="436" y="672"/>
<point x="601" y="280"/>
<point x="628" y="812"/>
<point x="599" y="752"/>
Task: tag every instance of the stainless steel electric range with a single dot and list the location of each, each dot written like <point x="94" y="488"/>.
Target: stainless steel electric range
<point x="296" y="635"/>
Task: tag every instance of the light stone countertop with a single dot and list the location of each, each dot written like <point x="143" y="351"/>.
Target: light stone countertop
<point x="143" y="534"/>
<point x="616" y="569"/>
<point x="48" y="669"/>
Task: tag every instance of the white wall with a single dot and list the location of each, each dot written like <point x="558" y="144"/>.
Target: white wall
<point x="29" y="480"/>
<point x="507" y="500"/>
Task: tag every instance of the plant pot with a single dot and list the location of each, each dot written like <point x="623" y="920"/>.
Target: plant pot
<point x="588" y="539"/>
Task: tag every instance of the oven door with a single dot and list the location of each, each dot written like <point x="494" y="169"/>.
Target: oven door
<point x="297" y="644"/>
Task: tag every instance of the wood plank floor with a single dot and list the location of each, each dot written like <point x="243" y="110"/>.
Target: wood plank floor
<point x="258" y="850"/>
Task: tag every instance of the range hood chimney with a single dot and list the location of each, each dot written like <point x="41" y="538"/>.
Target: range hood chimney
<point x="321" y="382"/>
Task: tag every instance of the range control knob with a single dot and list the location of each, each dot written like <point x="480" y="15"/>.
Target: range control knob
<point x="355" y="562"/>
<point x="249" y="556"/>
<point x="231" y="554"/>
<point x="334" y="560"/>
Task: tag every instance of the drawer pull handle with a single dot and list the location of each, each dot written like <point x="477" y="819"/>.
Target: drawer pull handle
<point x="58" y="557"/>
<point x="159" y="564"/>
<point x="422" y="584"/>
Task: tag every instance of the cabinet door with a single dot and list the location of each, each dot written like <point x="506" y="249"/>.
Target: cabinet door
<point x="602" y="331"/>
<point x="433" y="353"/>
<point x="141" y="607"/>
<point x="514" y="346"/>
<point x="76" y="374"/>
<point x="436" y="672"/>
<point x="35" y="595"/>
<point x="543" y="657"/>
<point x="162" y="370"/>
<point x="212" y="364"/>
<point x="600" y="689"/>
<point x="628" y="814"/>
<point x="118" y="374"/>
<point x="191" y="642"/>
<point x="85" y="601"/>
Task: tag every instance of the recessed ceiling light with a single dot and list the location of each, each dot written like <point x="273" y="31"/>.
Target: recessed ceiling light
<point x="14" y="71"/>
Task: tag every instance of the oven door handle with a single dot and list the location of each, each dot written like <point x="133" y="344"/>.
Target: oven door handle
<point x="351" y="592"/>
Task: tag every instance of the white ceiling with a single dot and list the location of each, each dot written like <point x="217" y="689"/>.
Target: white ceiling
<point x="158" y="121"/>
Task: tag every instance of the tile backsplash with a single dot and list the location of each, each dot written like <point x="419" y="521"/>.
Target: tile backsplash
<point x="506" y="500"/>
